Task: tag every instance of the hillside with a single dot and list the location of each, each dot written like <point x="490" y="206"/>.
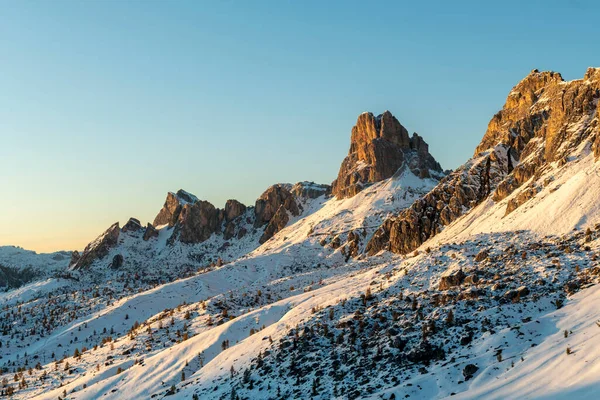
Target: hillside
<point x="400" y="280"/>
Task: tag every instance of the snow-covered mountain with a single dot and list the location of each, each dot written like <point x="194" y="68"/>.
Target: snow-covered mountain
<point x="19" y="266"/>
<point x="398" y="281"/>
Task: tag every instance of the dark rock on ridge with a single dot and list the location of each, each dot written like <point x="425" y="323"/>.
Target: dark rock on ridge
<point x="99" y="248"/>
<point x="172" y="207"/>
<point x="310" y="190"/>
<point x="269" y="202"/>
<point x="150" y="232"/>
<point x="133" y="225"/>
<point x="75" y="256"/>
<point x="277" y="223"/>
<point x="197" y="222"/>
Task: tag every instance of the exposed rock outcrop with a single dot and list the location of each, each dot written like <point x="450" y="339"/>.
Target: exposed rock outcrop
<point x="75" y="256"/>
<point x="169" y="214"/>
<point x="133" y="225"/>
<point x="310" y="190"/>
<point x="99" y="248"/>
<point x="194" y="220"/>
<point x="352" y="244"/>
<point x="150" y="232"/>
<point x="117" y="262"/>
<point x="543" y="120"/>
<point x="197" y="222"/>
<point x="456" y="194"/>
<point x="596" y="147"/>
<point x="523" y="196"/>
<point x="269" y="202"/>
<point x="233" y="209"/>
<point x="277" y="223"/>
<point x="379" y="146"/>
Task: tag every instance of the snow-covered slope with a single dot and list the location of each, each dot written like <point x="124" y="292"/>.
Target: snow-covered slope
<point x="102" y="302"/>
<point x="489" y="290"/>
<point x="329" y="221"/>
<point x="19" y="266"/>
<point x="567" y="201"/>
<point x="12" y="256"/>
<point x="562" y="366"/>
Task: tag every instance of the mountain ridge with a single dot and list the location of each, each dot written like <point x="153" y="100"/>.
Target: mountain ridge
<point x="490" y="276"/>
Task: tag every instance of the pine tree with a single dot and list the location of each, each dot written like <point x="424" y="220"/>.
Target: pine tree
<point x="315" y="391"/>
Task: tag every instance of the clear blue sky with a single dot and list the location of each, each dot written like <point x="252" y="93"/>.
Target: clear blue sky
<point x="107" y="105"/>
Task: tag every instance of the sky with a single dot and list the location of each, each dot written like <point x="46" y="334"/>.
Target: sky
<point x="105" y="106"/>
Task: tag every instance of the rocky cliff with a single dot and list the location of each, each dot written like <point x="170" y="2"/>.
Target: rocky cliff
<point x="186" y="219"/>
<point x="542" y="122"/>
<point x="379" y="146"/>
<point x="97" y="249"/>
<point x="169" y="213"/>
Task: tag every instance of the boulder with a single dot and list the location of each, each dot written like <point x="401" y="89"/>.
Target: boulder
<point x="469" y="370"/>
<point x="515" y="294"/>
<point x="482" y="255"/>
<point x="452" y="279"/>
<point x="471" y="280"/>
<point x="150" y="232"/>
<point x="425" y="352"/>
<point x="117" y="262"/>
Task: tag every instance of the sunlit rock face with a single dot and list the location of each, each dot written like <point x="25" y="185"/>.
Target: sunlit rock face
<point x="379" y="146"/>
<point x="544" y="120"/>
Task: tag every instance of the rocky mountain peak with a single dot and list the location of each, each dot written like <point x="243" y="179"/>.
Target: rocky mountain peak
<point x="516" y="108"/>
<point x="233" y="209"/>
<point x="97" y="249"/>
<point x="197" y="222"/>
<point x="379" y="146"/>
<point x="170" y="212"/>
<point x="543" y="122"/>
<point x="132" y="225"/>
<point x="269" y="202"/>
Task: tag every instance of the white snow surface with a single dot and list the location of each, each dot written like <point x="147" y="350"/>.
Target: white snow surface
<point x="193" y="332"/>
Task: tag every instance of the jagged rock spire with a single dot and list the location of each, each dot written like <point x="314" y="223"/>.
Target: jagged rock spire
<point x="379" y="146"/>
